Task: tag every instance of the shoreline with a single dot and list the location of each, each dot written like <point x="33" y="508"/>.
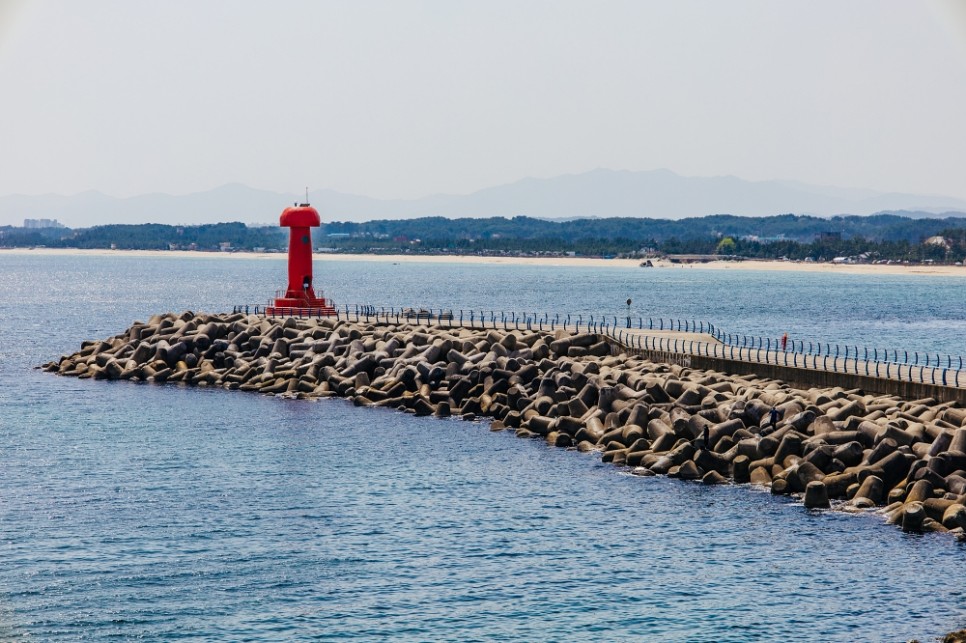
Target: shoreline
<point x="589" y="262"/>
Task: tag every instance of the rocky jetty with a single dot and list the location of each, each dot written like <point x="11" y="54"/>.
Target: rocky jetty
<point x="829" y="447"/>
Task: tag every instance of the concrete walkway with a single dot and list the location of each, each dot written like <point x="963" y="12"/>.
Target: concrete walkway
<point x="698" y="345"/>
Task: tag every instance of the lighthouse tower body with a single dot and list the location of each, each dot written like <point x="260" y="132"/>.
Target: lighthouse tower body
<point x="300" y="297"/>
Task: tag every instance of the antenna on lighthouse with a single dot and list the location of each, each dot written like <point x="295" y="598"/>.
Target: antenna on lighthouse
<point x="306" y="195"/>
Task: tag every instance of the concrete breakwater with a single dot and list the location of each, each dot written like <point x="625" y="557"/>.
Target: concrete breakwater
<point x="827" y="446"/>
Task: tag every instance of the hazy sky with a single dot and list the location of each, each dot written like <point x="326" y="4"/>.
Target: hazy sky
<point x="398" y="99"/>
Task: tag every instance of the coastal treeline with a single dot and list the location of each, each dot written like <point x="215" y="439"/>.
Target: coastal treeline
<point x="632" y="230"/>
<point x="150" y="236"/>
<point x="880" y="237"/>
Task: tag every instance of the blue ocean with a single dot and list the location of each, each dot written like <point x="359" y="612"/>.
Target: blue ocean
<point x="158" y="512"/>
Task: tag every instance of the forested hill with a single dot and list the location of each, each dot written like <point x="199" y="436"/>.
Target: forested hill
<point x="887" y="236"/>
<point x="880" y="227"/>
<point x="149" y="236"/>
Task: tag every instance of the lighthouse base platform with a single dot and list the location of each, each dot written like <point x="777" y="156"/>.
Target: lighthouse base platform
<point x="301" y="307"/>
<point x="289" y="311"/>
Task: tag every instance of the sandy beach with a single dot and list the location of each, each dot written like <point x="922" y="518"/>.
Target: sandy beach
<point x="748" y="264"/>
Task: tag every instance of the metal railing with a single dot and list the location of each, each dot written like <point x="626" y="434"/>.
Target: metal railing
<point x="874" y="354"/>
<point x="492" y="318"/>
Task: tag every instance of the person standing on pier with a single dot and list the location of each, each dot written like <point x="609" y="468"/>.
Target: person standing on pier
<point x="784" y="341"/>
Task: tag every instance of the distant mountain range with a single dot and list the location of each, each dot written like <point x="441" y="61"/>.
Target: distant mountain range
<point x="599" y="193"/>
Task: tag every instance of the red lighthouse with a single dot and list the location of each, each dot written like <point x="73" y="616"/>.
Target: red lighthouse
<point x="300" y="297"/>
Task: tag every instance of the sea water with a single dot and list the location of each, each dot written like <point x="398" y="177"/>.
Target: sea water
<point x="138" y="511"/>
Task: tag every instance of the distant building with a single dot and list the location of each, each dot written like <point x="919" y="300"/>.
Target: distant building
<point x="937" y="240"/>
<point x="42" y="223"/>
<point x="754" y="238"/>
<point x="829" y="236"/>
